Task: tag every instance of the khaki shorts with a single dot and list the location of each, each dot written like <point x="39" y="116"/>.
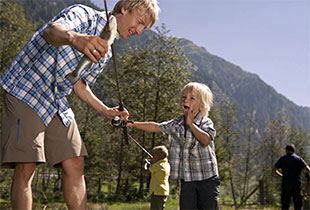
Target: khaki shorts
<point x="26" y="139"/>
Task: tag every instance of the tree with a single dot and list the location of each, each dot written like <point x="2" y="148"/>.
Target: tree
<point x="273" y="140"/>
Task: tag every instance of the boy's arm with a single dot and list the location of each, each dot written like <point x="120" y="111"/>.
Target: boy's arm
<point x="202" y="136"/>
<point x="146" y="126"/>
<point x="146" y="166"/>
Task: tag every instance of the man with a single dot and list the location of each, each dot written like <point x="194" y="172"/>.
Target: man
<point x="291" y="166"/>
<point x="38" y="123"/>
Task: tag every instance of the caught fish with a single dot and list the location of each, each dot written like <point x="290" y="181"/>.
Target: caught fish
<point x="109" y="34"/>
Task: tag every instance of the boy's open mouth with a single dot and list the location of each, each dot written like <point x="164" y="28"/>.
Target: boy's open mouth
<point x="186" y="107"/>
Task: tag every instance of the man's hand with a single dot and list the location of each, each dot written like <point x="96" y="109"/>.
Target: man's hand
<point x="91" y="45"/>
<point x="112" y="112"/>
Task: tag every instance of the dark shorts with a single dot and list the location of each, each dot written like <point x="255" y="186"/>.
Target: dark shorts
<point x="26" y="139"/>
<point x="203" y="194"/>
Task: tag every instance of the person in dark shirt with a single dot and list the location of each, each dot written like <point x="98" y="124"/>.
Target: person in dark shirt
<point x="291" y="166"/>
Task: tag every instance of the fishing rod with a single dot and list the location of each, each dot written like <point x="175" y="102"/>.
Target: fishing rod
<point x="117" y="120"/>
<point x="141" y="147"/>
<point x="109" y="34"/>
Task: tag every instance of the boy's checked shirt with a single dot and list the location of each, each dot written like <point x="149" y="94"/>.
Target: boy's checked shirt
<point x="37" y="74"/>
<point x="189" y="159"/>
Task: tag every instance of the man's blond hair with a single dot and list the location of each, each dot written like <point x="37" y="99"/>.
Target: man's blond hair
<point x="149" y="7"/>
<point x="204" y="93"/>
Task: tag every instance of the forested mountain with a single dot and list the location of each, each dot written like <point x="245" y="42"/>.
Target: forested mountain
<point x="246" y="90"/>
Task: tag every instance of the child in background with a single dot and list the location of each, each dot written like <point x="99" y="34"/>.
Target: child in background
<point x="160" y="170"/>
<point x="192" y="149"/>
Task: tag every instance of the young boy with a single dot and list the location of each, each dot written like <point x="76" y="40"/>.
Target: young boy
<point x="192" y="150"/>
<point x="160" y="170"/>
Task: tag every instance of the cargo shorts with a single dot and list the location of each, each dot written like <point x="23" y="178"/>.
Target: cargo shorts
<point x="26" y="139"/>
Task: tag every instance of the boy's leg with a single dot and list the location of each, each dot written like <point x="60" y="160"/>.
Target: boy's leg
<point x="74" y="187"/>
<point x="188" y="197"/>
<point x="21" y="193"/>
<point x="209" y="193"/>
<point x="158" y="202"/>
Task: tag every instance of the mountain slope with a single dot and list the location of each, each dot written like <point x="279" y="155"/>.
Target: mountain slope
<point x="245" y="89"/>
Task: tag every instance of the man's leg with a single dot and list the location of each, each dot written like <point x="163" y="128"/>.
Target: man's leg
<point x="21" y="194"/>
<point x="286" y="196"/>
<point x="297" y="197"/>
<point x="74" y="187"/>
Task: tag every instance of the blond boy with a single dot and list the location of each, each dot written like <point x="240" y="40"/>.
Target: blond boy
<point x="192" y="149"/>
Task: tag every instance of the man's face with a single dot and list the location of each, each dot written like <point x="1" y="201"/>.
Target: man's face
<point x="130" y="23"/>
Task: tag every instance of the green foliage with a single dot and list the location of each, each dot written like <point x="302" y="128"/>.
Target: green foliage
<point x="15" y="31"/>
<point x="41" y="11"/>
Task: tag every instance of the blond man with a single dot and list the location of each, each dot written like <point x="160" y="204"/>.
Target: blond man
<point x="38" y="123"/>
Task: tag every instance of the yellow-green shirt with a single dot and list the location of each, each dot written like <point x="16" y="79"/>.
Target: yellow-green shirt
<point x="159" y="180"/>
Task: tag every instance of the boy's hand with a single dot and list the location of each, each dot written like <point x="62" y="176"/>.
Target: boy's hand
<point x="129" y="123"/>
<point x="191" y="114"/>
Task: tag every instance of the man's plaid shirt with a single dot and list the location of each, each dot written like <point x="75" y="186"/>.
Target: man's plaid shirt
<point x="37" y="74"/>
<point x="189" y="159"/>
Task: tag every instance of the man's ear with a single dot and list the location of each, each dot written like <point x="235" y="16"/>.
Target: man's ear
<point x="124" y="11"/>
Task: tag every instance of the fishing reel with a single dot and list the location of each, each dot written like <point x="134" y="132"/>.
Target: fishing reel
<point x="119" y="122"/>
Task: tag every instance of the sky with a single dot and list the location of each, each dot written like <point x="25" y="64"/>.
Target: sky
<point x="270" y="38"/>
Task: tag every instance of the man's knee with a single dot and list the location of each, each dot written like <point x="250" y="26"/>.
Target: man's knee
<point x="73" y="166"/>
<point x="24" y="171"/>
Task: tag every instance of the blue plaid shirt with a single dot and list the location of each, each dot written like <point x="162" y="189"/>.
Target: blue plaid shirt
<point x="37" y="74"/>
<point x="189" y="159"/>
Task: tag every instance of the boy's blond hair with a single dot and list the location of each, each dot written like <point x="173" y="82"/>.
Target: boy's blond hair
<point x="161" y="151"/>
<point x="204" y="93"/>
<point x="149" y="7"/>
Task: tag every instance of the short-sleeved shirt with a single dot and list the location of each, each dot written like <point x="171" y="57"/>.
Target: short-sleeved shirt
<point x="159" y="184"/>
<point x="189" y="159"/>
<point x="291" y="166"/>
<point x="37" y="74"/>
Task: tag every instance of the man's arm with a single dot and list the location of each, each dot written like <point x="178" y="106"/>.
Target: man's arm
<point x="83" y="91"/>
<point x="277" y="172"/>
<point x="56" y="35"/>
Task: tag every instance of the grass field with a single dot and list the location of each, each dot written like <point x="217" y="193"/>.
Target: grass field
<point x="172" y="204"/>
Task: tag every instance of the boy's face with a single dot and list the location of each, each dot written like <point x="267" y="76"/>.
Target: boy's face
<point x="130" y="23"/>
<point x="190" y="101"/>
